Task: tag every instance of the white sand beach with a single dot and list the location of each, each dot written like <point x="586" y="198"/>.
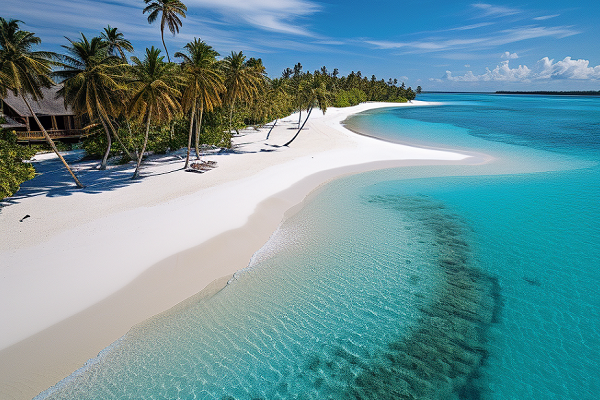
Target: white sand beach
<point x="87" y="265"/>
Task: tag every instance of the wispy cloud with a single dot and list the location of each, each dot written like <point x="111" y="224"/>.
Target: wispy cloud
<point x="469" y="27"/>
<point x="498" y="38"/>
<point x="533" y="32"/>
<point x="332" y="42"/>
<point x="545" y="17"/>
<point x="53" y="19"/>
<point x="225" y="24"/>
<point x="489" y="10"/>
<point x="272" y="15"/>
<point x="425" y="45"/>
<point x="545" y="69"/>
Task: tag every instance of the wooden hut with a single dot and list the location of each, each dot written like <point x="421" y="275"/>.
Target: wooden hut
<point x="59" y="121"/>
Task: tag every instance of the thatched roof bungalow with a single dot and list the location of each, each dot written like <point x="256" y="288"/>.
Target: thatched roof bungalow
<point x="59" y="121"/>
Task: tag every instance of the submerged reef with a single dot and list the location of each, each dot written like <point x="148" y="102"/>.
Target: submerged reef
<point x="442" y="357"/>
<point x="444" y="354"/>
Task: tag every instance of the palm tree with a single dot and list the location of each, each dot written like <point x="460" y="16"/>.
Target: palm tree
<point x="296" y="79"/>
<point x="203" y="86"/>
<point x="242" y="80"/>
<point x="154" y="85"/>
<point x="278" y="99"/>
<point x="26" y="72"/>
<point x="169" y="10"/>
<point x="116" y="42"/>
<point x="313" y="93"/>
<point x="91" y="83"/>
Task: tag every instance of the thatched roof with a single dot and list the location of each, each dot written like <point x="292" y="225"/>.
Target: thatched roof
<point x="11" y="123"/>
<point x="49" y="105"/>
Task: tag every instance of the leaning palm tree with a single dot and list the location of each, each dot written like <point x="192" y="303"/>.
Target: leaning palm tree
<point x="117" y="44"/>
<point x="169" y="11"/>
<point x="26" y="72"/>
<point x="278" y="98"/>
<point x="203" y="85"/>
<point x="242" y="80"/>
<point x="154" y="85"/>
<point x="313" y="93"/>
<point x="90" y="78"/>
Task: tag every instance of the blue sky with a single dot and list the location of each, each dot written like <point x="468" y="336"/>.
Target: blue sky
<point x="437" y="44"/>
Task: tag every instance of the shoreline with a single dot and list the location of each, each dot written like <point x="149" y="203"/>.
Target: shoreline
<point x="43" y="358"/>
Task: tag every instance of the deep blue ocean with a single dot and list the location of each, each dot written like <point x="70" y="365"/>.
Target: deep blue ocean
<point x="439" y="282"/>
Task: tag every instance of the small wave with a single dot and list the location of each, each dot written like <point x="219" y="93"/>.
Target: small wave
<point x="80" y="372"/>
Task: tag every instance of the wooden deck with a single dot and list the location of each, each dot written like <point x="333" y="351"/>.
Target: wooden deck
<point x="38" y="136"/>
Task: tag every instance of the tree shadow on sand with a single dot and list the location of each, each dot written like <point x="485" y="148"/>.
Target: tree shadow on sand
<point x="53" y="180"/>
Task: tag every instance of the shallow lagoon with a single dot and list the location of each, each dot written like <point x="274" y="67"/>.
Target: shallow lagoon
<point x="423" y="282"/>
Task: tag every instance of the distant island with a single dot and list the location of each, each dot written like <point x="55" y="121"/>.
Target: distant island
<point x="551" y="93"/>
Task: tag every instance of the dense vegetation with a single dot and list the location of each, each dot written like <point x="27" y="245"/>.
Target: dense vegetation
<point x="13" y="171"/>
<point x="153" y="104"/>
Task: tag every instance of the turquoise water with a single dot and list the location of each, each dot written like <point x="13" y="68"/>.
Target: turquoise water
<point x="454" y="282"/>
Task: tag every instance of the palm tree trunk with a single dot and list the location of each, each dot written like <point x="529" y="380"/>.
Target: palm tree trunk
<point x="51" y="143"/>
<point x="130" y="137"/>
<point x="198" y="127"/>
<point x="189" y="147"/>
<point x="300" y="116"/>
<point x="109" y="140"/>
<point x="114" y="132"/>
<point x="269" y="134"/>
<point x="162" y="35"/>
<point x="137" y="168"/>
<point x="297" y="133"/>
<point x="231" y="118"/>
<point x="229" y="134"/>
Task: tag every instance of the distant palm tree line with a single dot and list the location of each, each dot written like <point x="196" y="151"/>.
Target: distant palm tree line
<point x="201" y="95"/>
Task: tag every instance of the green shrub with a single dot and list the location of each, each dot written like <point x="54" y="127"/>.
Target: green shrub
<point x="13" y="171"/>
<point x="215" y="128"/>
<point x="161" y="139"/>
<point x="95" y="144"/>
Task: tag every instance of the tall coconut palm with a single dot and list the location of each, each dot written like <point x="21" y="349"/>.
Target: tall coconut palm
<point x="169" y="11"/>
<point x="26" y="72"/>
<point x="278" y="98"/>
<point x="242" y="80"/>
<point x="117" y="44"/>
<point x="203" y="85"/>
<point x="313" y="93"/>
<point x="90" y="78"/>
<point x="155" y="92"/>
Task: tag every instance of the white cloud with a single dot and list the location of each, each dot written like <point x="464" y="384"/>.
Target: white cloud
<point x="545" y="17"/>
<point x="510" y="56"/>
<point x="272" y="15"/>
<point x="495" y="11"/>
<point x="467" y="66"/>
<point x="545" y="69"/>
<point x="502" y="72"/>
<point x="567" y="69"/>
